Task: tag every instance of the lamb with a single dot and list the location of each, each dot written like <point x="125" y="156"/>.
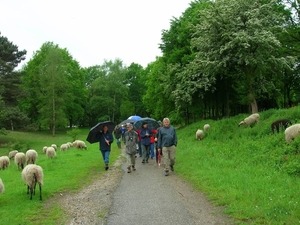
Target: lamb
<point x="280" y="123"/>
<point x="12" y="154"/>
<point x="31" y="156"/>
<point x="79" y="144"/>
<point x="64" y="147"/>
<point x="54" y="146"/>
<point x="206" y="127"/>
<point x="250" y="120"/>
<point x="45" y="149"/>
<point x="1" y="186"/>
<point x="20" y="160"/>
<point x="292" y="132"/>
<point x="199" y="134"/>
<point x="33" y="174"/>
<point x="51" y="153"/>
<point x="4" y="162"/>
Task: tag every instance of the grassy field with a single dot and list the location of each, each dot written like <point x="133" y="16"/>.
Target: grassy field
<point x="253" y="173"/>
<point x="250" y="171"/>
<point x="69" y="171"/>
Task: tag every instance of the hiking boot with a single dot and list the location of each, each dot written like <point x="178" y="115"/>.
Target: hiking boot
<point x="143" y="161"/>
<point x="133" y="168"/>
<point x="166" y="172"/>
<point x="106" y="166"/>
<point x="172" y="168"/>
<point x="128" y="169"/>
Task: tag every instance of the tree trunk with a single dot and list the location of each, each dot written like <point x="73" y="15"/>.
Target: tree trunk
<point x="253" y="102"/>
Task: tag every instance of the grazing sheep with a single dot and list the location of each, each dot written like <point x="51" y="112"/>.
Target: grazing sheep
<point x="33" y="174"/>
<point x="79" y="144"/>
<point x="199" y="134"/>
<point x="70" y="144"/>
<point x="51" y="153"/>
<point x="20" y="160"/>
<point x="206" y="127"/>
<point x="54" y="146"/>
<point x="4" y="162"/>
<point x="45" y="149"/>
<point x="250" y="120"/>
<point x="1" y="186"/>
<point x="31" y="156"/>
<point x="64" y="147"/>
<point x="284" y="123"/>
<point x="292" y="132"/>
<point x="12" y="154"/>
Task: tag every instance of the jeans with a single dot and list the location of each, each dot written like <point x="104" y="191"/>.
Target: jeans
<point x="105" y="156"/>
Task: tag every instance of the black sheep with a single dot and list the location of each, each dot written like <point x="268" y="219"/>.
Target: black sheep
<point x="282" y="122"/>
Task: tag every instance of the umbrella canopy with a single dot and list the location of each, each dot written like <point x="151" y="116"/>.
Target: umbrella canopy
<point x="135" y="118"/>
<point x="92" y="136"/>
<point x="152" y="123"/>
<point x="127" y="121"/>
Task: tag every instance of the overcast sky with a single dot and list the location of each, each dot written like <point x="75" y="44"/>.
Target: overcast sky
<point x="91" y="30"/>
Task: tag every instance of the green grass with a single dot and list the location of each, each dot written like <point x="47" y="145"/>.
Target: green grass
<point x="69" y="171"/>
<point x="250" y="171"/>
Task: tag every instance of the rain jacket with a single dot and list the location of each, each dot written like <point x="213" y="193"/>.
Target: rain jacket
<point x="102" y="143"/>
<point x="131" y="140"/>
<point x="166" y="137"/>
<point x="145" y="139"/>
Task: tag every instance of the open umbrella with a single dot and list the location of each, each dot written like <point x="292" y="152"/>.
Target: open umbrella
<point x="152" y="123"/>
<point x="92" y="136"/>
<point x="135" y="118"/>
<point x="127" y="121"/>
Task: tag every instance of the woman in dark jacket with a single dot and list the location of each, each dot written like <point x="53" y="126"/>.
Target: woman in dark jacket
<point x="145" y="135"/>
<point x="105" y="139"/>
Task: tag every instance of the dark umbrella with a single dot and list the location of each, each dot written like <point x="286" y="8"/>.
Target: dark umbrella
<point x="92" y="136"/>
<point x="152" y="123"/>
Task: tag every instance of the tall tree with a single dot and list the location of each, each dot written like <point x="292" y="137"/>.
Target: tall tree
<point x="55" y="91"/>
<point x="236" y="38"/>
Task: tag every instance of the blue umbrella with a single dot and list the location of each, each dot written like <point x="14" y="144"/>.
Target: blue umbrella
<point x="135" y="117"/>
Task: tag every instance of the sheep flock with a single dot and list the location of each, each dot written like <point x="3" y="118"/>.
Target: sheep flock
<point x="31" y="173"/>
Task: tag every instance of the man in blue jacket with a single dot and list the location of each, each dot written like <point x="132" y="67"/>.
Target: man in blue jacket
<point x="167" y="142"/>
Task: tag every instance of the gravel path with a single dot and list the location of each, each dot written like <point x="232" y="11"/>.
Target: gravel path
<point x="144" y="196"/>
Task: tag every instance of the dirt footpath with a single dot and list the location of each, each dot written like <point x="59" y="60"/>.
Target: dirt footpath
<point x="144" y="196"/>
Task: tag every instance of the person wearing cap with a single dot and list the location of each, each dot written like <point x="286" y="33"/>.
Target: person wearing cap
<point x="145" y="134"/>
<point x="130" y="141"/>
<point x="167" y="142"/>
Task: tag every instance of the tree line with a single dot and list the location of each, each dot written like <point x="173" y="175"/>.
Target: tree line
<point x="219" y="58"/>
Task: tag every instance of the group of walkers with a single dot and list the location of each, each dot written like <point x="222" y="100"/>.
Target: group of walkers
<point x="142" y="142"/>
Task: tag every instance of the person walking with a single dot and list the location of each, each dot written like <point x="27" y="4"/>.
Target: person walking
<point x="155" y="140"/>
<point x="131" y="142"/>
<point x="167" y="142"/>
<point x="145" y="134"/>
<point x="105" y="139"/>
<point x="118" y="135"/>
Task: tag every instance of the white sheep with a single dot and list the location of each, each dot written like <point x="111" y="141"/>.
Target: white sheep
<point x="1" y="186"/>
<point x="292" y="132"/>
<point x="54" y="146"/>
<point x="250" y="120"/>
<point x="70" y="144"/>
<point x="79" y="144"/>
<point x="51" y="153"/>
<point x="33" y="174"/>
<point x="206" y="127"/>
<point x="4" y="162"/>
<point x="45" y="149"/>
<point x="64" y="147"/>
<point x="31" y="156"/>
<point x="199" y="134"/>
<point x="12" y="154"/>
<point x="20" y="160"/>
